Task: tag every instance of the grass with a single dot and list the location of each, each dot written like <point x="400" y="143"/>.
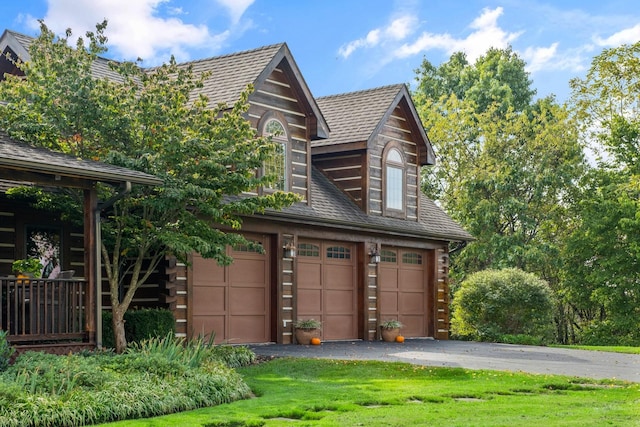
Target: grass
<point x="309" y="392"/>
<point x="612" y="349"/>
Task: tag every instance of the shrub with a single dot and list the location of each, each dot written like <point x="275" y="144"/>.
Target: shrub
<point x="158" y="376"/>
<point x="608" y="332"/>
<point x="139" y="325"/>
<point x="493" y="303"/>
<point x="6" y="351"/>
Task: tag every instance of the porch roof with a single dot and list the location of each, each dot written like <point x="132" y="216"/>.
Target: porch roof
<point x="22" y="157"/>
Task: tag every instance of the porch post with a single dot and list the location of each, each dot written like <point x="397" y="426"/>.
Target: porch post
<point x="90" y="261"/>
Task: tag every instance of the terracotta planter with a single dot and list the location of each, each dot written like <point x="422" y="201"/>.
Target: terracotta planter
<point x="303" y="336"/>
<point x="389" y="335"/>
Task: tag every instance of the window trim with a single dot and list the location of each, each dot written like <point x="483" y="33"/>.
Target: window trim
<point x="285" y="141"/>
<point x="394" y="147"/>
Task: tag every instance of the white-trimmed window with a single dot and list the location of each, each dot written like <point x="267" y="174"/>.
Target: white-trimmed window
<point x="277" y="164"/>
<point x="394" y="180"/>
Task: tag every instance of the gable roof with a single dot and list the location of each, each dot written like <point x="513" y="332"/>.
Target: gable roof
<point x="331" y="207"/>
<point x="357" y="117"/>
<point x="230" y="75"/>
<point x="20" y="156"/>
<point x="20" y="44"/>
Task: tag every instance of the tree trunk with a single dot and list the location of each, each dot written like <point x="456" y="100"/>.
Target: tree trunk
<point x="118" y="331"/>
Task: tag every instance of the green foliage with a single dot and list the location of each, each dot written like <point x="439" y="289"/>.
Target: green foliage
<point x="190" y="353"/>
<point x="157" y="377"/>
<point x="506" y="164"/>
<point x="610" y="332"/>
<point x="139" y="325"/>
<point x="307" y="324"/>
<point x="601" y="279"/>
<point x="29" y="266"/>
<point x="391" y="324"/>
<point x="152" y="121"/>
<point x="6" y="351"/>
<point x="497" y="78"/>
<point x="234" y="356"/>
<point x="521" y="339"/>
<point x="490" y="304"/>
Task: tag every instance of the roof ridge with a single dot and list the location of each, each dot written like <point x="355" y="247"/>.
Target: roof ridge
<point x="363" y="91"/>
<point x="228" y="55"/>
<point x="19" y="33"/>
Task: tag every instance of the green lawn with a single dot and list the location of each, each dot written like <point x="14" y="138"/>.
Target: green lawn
<point x="306" y="392"/>
<point x="613" y="349"/>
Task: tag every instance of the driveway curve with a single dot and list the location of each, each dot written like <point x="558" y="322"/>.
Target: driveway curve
<point x="472" y="355"/>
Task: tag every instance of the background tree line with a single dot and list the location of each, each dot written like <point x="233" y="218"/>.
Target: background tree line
<point x="514" y="171"/>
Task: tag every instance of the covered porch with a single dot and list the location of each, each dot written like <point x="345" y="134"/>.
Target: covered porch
<point x="59" y="314"/>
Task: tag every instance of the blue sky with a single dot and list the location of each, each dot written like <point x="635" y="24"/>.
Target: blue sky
<point x="347" y="45"/>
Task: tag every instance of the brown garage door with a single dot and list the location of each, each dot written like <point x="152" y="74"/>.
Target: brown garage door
<point x="403" y="290"/>
<point x="233" y="301"/>
<point x="327" y="287"/>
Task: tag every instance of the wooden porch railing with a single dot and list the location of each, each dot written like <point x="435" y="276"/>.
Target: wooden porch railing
<point x="43" y="310"/>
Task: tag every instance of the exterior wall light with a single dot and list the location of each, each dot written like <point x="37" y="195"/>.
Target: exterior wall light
<point x="289" y="250"/>
<point x="374" y="255"/>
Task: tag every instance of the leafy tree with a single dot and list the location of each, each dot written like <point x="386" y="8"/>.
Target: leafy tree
<point x="505" y="165"/>
<point x="602" y="279"/>
<point x="151" y="122"/>
<point x="497" y="78"/>
<point x="493" y="303"/>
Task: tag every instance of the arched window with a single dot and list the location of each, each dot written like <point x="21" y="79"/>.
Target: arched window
<point x="394" y="180"/>
<point x="277" y="164"/>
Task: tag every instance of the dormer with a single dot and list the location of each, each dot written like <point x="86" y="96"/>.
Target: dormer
<point x="13" y="47"/>
<point x="281" y="106"/>
<point x="375" y="151"/>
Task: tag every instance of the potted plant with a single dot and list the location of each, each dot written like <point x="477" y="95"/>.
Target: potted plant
<point x="390" y="329"/>
<point x="29" y="267"/>
<point x="306" y="329"/>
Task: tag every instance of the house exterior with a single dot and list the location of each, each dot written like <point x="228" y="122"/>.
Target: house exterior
<point x="369" y="246"/>
<point x="59" y="311"/>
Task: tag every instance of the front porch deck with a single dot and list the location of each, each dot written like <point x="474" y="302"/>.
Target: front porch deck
<point x="46" y="314"/>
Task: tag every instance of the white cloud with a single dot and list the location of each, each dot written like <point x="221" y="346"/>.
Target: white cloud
<point x="538" y="58"/>
<point x="135" y="29"/>
<point x="397" y="30"/>
<point x="236" y="8"/>
<point x="626" y="36"/>
<point x="486" y="34"/>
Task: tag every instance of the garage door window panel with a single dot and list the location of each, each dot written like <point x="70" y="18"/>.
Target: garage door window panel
<point x="338" y="253"/>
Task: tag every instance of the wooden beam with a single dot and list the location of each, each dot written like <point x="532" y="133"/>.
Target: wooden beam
<point x="44" y="179"/>
<point x="90" y="261"/>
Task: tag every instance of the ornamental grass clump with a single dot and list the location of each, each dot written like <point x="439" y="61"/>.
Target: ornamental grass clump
<point x="6" y="351"/>
<point x="155" y="377"/>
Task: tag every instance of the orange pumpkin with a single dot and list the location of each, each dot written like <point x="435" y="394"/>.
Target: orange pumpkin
<point x="399" y="338"/>
<point x="315" y="341"/>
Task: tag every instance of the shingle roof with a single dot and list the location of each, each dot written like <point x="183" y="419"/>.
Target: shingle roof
<point x="230" y="74"/>
<point x="100" y="67"/>
<point x="354" y="116"/>
<point x="22" y="156"/>
<point x="330" y="206"/>
<point x="23" y="39"/>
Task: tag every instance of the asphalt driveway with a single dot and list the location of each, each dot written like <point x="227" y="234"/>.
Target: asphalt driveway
<point x="472" y="355"/>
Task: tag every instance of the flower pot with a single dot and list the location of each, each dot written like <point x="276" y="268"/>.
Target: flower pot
<point x="303" y="336"/>
<point x="389" y="335"/>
